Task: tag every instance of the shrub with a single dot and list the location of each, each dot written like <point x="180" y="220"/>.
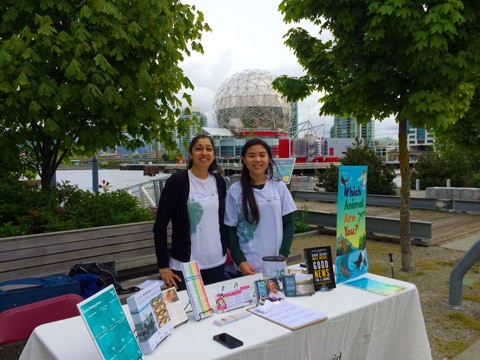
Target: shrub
<point x="24" y="210"/>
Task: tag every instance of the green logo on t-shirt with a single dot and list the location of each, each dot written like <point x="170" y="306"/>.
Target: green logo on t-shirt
<point x="195" y="213"/>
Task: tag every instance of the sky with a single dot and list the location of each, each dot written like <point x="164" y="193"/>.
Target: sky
<point x="248" y="34"/>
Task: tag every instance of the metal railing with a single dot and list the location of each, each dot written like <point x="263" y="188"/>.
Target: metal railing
<point x="420" y="231"/>
<point x="148" y="192"/>
<point x="377" y="200"/>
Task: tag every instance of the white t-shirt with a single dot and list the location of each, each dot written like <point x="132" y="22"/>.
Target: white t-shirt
<point x="202" y="208"/>
<point x="264" y="238"/>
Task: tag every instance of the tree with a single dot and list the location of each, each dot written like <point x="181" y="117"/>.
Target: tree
<point x="380" y="176"/>
<point x="77" y="77"/>
<point x="413" y="60"/>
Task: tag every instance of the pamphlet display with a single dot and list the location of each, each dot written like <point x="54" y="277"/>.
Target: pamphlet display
<point x="150" y="316"/>
<point x="288" y="315"/>
<point x="233" y="299"/>
<point x="196" y="290"/>
<point x="352" y="260"/>
<point x="319" y="264"/>
<point x="108" y="326"/>
<point x="375" y="286"/>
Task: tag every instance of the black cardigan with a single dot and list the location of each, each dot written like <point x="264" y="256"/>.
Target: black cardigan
<point x="173" y="206"/>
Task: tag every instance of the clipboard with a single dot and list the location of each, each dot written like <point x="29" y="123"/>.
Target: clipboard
<point x="289" y="315"/>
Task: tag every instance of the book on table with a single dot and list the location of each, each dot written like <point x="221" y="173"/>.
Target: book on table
<point x="150" y="317"/>
<point x="319" y="263"/>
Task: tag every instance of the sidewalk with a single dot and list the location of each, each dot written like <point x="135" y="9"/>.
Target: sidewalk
<point x="472" y="353"/>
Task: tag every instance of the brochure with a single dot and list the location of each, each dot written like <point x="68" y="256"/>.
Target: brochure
<point x="150" y="316"/>
<point x="108" y="326"/>
<point x="233" y="299"/>
<point x="175" y="307"/>
<point x="375" y="286"/>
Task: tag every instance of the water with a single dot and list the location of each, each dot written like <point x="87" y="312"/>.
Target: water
<point x="118" y="179"/>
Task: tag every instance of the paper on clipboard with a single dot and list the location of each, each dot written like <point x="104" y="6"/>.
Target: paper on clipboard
<point x="289" y="315"/>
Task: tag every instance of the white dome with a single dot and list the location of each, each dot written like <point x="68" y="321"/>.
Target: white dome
<point x="247" y="100"/>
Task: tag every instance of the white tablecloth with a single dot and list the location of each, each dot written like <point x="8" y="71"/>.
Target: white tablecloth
<point x="360" y="325"/>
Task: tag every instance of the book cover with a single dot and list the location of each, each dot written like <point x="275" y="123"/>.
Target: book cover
<point x="304" y="284"/>
<point x="261" y="290"/>
<point x="289" y="286"/>
<point x="175" y="308"/>
<point x="271" y="289"/>
<point x="150" y="317"/>
<point x="196" y="290"/>
<point x="108" y="326"/>
<point x="319" y="264"/>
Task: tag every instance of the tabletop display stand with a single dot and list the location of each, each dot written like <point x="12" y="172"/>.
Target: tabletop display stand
<point x="150" y="316"/>
<point x="196" y="290"/>
<point x="108" y="326"/>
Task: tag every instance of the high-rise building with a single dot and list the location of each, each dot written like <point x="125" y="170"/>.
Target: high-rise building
<point x="347" y="127"/>
<point x="193" y="129"/>
<point x="419" y="140"/>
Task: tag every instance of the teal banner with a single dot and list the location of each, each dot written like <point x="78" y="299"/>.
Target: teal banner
<point x="352" y="258"/>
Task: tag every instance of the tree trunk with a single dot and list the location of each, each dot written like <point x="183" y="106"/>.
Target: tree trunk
<point x="404" y="157"/>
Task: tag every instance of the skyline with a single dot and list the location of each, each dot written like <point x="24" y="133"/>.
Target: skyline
<point x="249" y="35"/>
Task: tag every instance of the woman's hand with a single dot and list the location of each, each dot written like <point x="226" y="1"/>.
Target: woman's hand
<point x="168" y="277"/>
<point x="246" y="268"/>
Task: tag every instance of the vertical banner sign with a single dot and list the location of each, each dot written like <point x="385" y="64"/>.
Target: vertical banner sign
<point x="351" y="247"/>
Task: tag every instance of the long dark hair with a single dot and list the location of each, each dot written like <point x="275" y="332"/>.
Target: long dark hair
<point x="214" y="167"/>
<point x="248" y="197"/>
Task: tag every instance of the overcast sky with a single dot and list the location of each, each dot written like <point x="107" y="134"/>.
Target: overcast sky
<point x="248" y="34"/>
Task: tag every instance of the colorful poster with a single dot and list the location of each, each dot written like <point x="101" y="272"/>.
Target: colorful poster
<point x="352" y="260"/>
<point x="284" y="169"/>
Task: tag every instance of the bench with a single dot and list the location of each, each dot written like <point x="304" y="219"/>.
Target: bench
<point x="131" y="246"/>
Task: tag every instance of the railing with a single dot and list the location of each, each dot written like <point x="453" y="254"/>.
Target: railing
<point x="420" y="231"/>
<point x="376" y="200"/>
<point x="148" y="192"/>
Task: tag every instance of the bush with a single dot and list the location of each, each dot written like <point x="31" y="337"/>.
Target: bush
<point x="24" y="210"/>
<point x="301" y="221"/>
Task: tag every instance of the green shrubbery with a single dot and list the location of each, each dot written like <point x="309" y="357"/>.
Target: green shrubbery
<point x="25" y="210"/>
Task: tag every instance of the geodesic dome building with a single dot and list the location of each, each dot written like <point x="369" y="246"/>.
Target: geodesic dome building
<point x="246" y="100"/>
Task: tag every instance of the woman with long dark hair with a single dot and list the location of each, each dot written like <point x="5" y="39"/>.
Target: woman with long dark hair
<point x="194" y="201"/>
<point x="259" y="211"/>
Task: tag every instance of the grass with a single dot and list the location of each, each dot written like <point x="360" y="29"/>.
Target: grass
<point x="465" y="320"/>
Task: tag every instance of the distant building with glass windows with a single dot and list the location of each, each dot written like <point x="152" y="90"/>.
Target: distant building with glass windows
<point x="347" y="127"/>
<point x="193" y="129"/>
